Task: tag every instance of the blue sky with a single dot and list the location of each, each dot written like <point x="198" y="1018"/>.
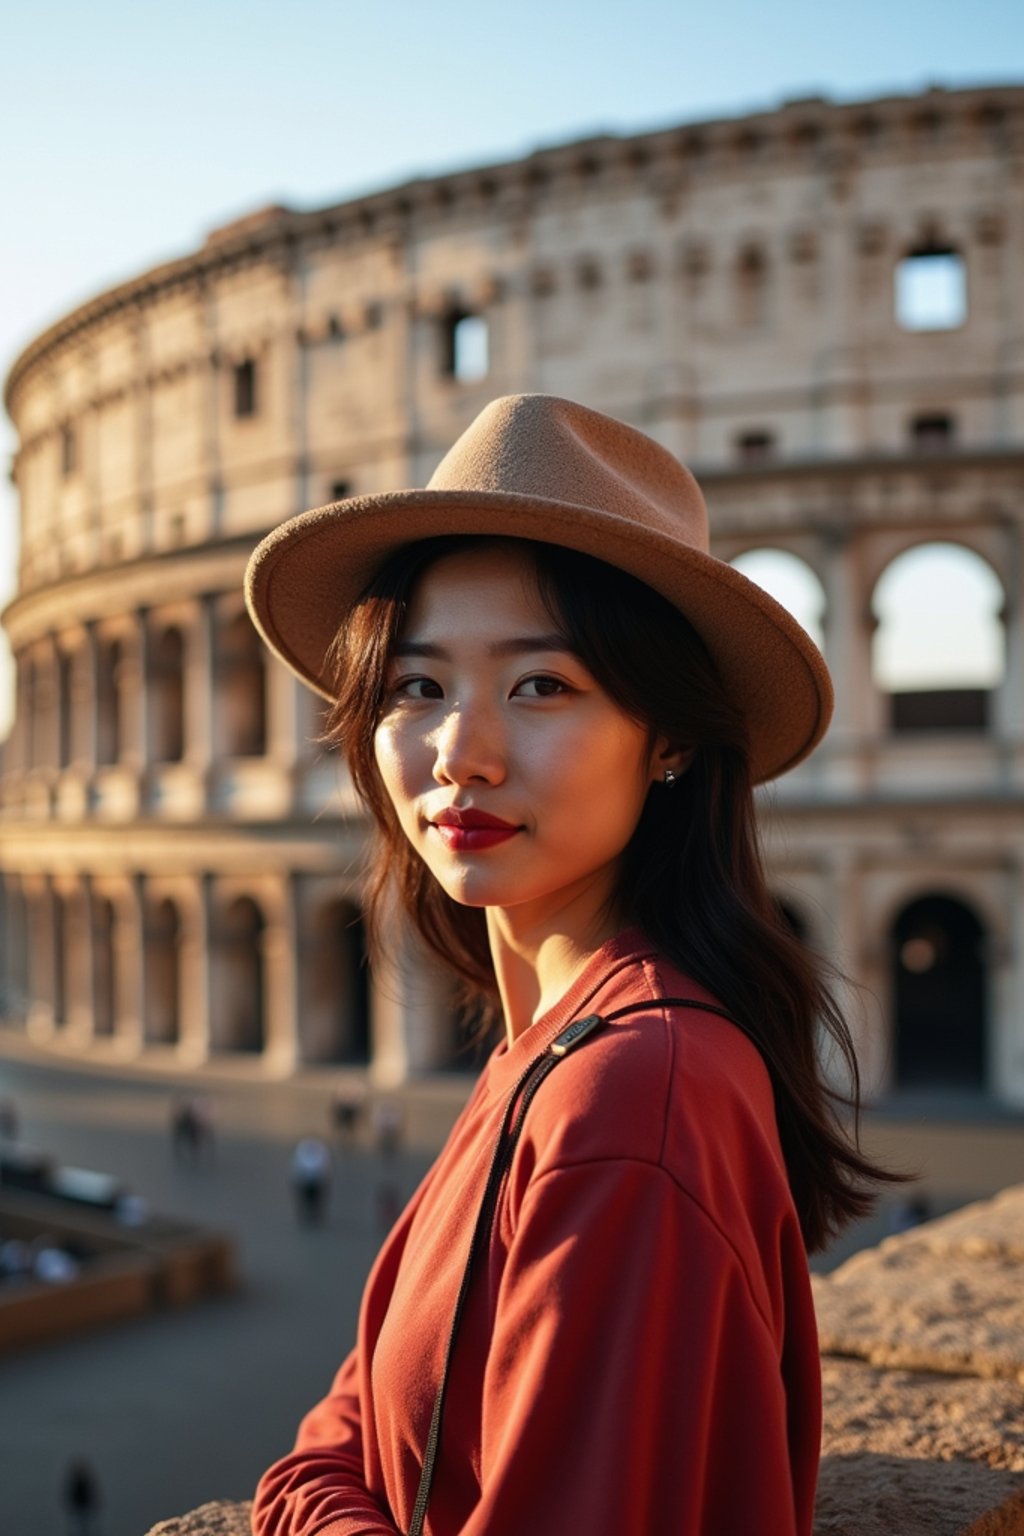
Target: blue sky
<point x="129" y="130"/>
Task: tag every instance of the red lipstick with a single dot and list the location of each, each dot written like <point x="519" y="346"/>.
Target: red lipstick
<point x="470" y="831"/>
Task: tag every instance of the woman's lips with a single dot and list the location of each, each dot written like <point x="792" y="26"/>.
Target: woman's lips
<point x="472" y="839"/>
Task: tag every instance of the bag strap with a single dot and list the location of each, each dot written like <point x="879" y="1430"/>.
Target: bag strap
<point x="519" y="1101"/>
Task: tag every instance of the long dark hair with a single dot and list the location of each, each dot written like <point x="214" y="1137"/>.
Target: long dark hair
<point x="691" y="877"/>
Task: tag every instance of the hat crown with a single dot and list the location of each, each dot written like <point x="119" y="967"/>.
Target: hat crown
<point x="544" y="447"/>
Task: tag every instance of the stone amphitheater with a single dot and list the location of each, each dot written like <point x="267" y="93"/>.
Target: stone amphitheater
<point x="819" y="308"/>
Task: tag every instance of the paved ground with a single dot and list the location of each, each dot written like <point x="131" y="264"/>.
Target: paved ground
<point x="178" y="1409"/>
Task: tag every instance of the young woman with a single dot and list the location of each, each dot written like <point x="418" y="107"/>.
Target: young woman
<point x="555" y="702"/>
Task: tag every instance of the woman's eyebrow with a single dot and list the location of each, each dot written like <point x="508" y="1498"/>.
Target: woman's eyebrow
<point x="519" y="645"/>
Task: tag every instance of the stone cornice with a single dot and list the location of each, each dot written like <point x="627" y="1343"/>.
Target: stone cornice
<point x="824" y="134"/>
<point x="112" y="591"/>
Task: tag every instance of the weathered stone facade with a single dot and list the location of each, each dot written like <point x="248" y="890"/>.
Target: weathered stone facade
<point x="180" y="862"/>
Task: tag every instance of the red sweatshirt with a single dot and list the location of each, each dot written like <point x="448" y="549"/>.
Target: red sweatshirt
<point x="638" y="1356"/>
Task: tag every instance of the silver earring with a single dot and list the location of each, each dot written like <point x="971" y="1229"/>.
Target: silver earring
<point x="671" y="779"/>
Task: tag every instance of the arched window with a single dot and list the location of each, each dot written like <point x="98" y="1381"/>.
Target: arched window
<point x="108" y="702"/>
<point x="751" y="286"/>
<point x="163" y="939"/>
<point x="241" y="686"/>
<point x="938" y="650"/>
<point x="239" y="1021"/>
<point x="791" y="582"/>
<point x="167" y="684"/>
<point x="939" y="995"/>
<point x="65" y="708"/>
<point x="103" y="985"/>
<point x="335" y="1020"/>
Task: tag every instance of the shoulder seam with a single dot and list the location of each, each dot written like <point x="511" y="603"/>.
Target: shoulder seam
<point x="688" y="1195"/>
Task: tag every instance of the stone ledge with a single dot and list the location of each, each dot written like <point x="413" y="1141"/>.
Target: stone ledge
<point x="923" y="1386"/>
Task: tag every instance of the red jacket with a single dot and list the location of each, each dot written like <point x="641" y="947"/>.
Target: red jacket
<point x="638" y="1356"/>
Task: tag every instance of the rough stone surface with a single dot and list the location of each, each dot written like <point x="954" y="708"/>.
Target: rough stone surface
<point x="923" y="1383"/>
<point x="907" y="1308"/>
<point x="217" y="1519"/>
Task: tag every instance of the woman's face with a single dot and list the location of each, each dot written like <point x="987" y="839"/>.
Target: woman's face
<point x="489" y="716"/>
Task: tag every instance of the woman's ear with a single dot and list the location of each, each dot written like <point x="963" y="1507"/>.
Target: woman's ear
<point x="670" y="759"/>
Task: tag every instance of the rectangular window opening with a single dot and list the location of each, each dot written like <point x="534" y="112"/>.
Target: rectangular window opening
<point x="245" y="388"/>
<point x="755" y="447"/>
<point x="930" y="290"/>
<point x="465" y="347"/>
<point x="932" y="433"/>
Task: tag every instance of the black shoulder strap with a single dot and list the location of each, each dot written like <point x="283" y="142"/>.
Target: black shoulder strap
<point x="519" y="1101"/>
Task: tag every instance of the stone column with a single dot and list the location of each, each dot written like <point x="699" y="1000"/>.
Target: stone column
<point x="281" y="980"/>
<point x="42" y="958"/>
<point x="410" y="1008"/>
<point x="213" y="409"/>
<point x="80" y="963"/>
<point x="1006" y="1067"/>
<point x="130" y="969"/>
<point x="143" y="433"/>
<point x="1009" y="701"/>
<point x="848" y="628"/>
<point x="199" y="691"/>
<point x="195" y="1006"/>
<point x="47" y="704"/>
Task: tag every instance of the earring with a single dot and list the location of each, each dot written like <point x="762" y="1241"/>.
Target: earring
<point x="671" y="779"/>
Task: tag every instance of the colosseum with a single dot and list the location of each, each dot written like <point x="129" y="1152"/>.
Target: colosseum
<point x="819" y="308"/>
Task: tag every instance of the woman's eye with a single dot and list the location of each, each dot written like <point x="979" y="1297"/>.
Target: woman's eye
<point x="540" y="686"/>
<point x="417" y="688"/>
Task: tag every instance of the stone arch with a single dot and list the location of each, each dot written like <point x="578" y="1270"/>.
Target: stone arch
<point x="240" y="687"/>
<point x="238" y="1021"/>
<point x="167" y="695"/>
<point x="162" y="1003"/>
<point x="78" y="955"/>
<point x="939" y="647"/>
<point x="940" y="993"/>
<point x="791" y="581"/>
<point x="335" y="1013"/>
<point x="15" y="980"/>
<point x="65" y="708"/>
<point x="110" y="659"/>
<point x="103" y="968"/>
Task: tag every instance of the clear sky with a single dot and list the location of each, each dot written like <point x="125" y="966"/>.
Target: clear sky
<point x="128" y="130"/>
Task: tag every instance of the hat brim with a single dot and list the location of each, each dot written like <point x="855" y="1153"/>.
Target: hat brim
<point x="303" y="578"/>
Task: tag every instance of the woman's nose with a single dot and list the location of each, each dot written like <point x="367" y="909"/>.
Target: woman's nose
<point x="468" y="748"/>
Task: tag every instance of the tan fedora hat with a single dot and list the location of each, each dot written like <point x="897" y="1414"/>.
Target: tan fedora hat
<point x="538" y="467"/>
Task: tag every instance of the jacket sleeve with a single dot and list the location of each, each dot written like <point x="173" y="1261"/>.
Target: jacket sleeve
<point x="320" y="1488"/>
<point x="633" y="1387"/>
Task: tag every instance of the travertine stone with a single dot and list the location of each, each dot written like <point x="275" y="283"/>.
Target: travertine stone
<point x="728" y="287"/>
<point x="215" y="1519"/>
<point x="920" y="1416"/>
<point x="908" y="1308"/>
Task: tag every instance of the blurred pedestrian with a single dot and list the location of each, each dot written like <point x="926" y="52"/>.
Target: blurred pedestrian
<point x="185" y="1132"/>
<point x="387" y="1127"/>
<point x="81" y="1497"/>
<point x="311" y="1179"/>
<point x="192" y="1131"/>
<point x="347" y="1108"/>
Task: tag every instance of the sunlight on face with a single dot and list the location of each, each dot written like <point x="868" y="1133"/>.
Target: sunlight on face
<point x="490" y="716"/>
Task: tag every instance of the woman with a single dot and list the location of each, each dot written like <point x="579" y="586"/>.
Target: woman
<point x="555" y="702"/>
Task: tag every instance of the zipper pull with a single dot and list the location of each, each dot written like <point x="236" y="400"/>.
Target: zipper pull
<point x="574" y="1034"/>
